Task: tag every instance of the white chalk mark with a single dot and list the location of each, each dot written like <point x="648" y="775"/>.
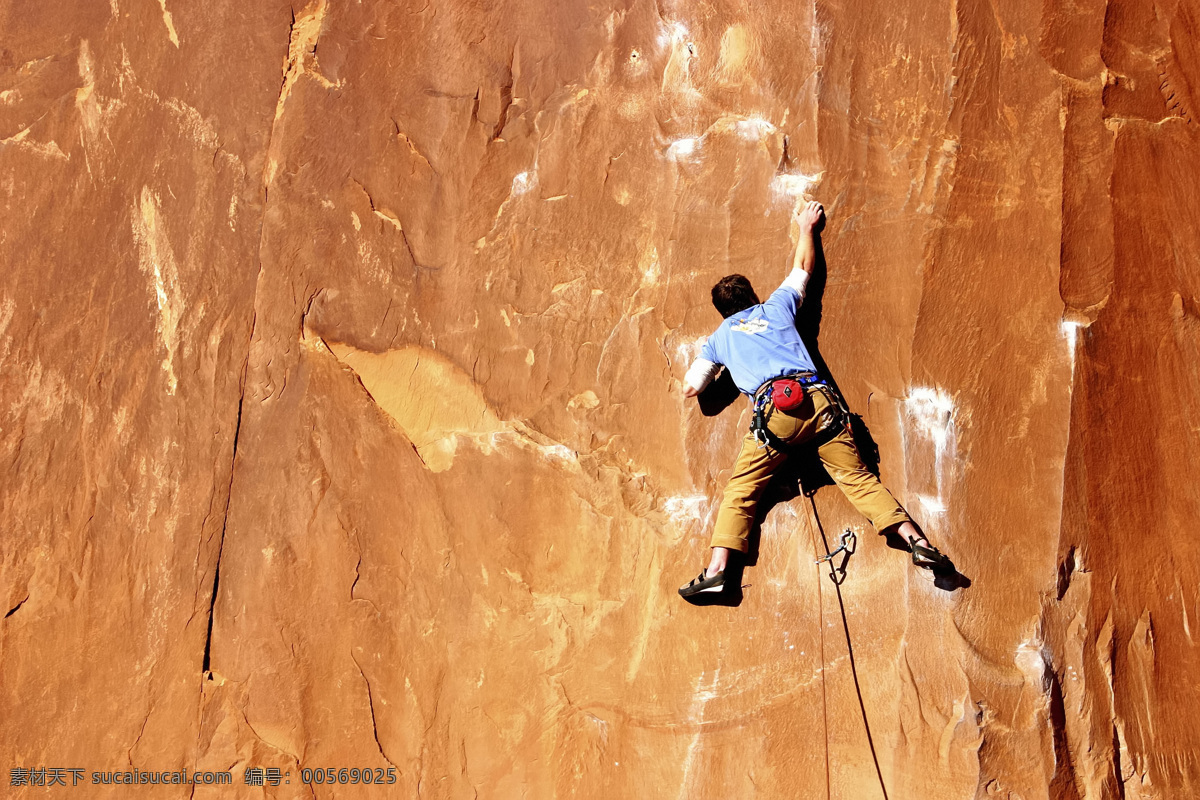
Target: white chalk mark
<point x="754" y="128"/>
<point x="682" y="147"/>
<point x="85" y="100"/>
<point x="689" y="351"/>
<point x="932" y="505"/>
<point x="1187" y="625"/>
<point x="1070" y="329"/>
<point x="933" y="412"/>
<point x="795" y="184"/>
<point x="930" y="417"/>
<point x="675" y="32"/>
<point x="170" y="23"/>
<point x="7" y="307"/>
<point x="651" y="270"/>
<point x="523" y="181"/>
<point x="704" y="693"/>
<point x="686" y="509"/>
<point x="158" y="260"/>
<point x="1030" y="658"/>
<point x="558" y="453"/>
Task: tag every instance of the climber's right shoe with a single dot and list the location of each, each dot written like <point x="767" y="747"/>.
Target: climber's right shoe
<point x="929" y="557"/>
<point x="701" y="584"/>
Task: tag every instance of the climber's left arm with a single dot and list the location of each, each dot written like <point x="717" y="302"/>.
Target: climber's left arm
<point x="699" y="376"/>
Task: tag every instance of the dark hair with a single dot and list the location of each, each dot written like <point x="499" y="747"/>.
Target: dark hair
<point x="732" y="294"/>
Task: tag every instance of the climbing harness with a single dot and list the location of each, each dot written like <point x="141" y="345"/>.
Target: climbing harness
<point x="786" y="393"/>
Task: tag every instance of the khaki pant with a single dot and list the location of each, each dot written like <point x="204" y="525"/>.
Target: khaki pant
<point x="756" y="464"/>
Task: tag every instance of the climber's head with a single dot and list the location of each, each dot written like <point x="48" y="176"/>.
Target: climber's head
<point x="732" y="294"/>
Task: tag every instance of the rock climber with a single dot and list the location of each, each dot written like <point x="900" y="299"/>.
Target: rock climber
<point x="793" y="407"/>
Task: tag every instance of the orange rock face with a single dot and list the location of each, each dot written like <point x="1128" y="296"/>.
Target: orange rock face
<point x="342" y="426"/>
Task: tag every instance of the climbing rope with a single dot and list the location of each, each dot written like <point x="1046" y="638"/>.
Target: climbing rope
<point x="821" y="625"/>
<point x="837" y="575"/>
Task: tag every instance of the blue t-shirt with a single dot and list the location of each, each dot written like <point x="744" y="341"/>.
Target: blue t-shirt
<point x="761" y="342"/>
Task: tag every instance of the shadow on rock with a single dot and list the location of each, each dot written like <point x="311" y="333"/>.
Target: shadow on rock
<point x="719" y="395"/>
<point x="949" y="579"/>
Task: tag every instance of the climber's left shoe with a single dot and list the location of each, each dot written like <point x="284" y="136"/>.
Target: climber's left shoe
<point x="701" y="584"/>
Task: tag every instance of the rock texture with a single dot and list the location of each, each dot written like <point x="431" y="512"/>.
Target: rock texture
<point x="340" y="412"/>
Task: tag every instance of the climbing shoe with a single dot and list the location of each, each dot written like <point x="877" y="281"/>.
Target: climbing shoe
<point x="701" y="584"/>
<point x="928" y="556"/>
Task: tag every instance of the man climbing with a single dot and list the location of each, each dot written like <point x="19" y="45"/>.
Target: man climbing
<point x="793" y="407"/>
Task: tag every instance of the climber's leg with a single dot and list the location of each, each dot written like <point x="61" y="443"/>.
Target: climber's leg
<point x="751" y="473"/>
<point x="862" y="488"/>
<point x="841" y="460"/>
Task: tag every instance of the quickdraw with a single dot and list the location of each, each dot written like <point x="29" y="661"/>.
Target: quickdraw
<point x="847" y="543"/>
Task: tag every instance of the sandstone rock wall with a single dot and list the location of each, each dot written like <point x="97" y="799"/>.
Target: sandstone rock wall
<point x="340" y="415"/>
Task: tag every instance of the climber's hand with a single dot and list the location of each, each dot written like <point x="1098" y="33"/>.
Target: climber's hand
<point x="810" y="216"/>
<point x="689" y="390"/>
